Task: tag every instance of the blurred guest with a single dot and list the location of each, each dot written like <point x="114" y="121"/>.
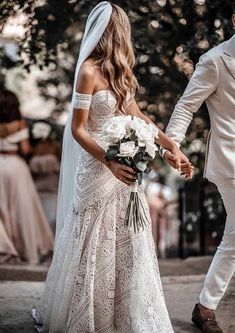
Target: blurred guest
<point x="162" y="223"/>
<point x="47" y="152"/>
<point x="157" y="204"/>
<point x="45" y="166"/>
<point x="20" y="208"/>
<point x="8" y="252"/>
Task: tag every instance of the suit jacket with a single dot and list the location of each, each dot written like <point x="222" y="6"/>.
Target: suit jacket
<point x="213" y="81"/>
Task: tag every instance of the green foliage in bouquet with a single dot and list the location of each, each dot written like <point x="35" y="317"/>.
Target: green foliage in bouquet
<point x="141" y="158"/>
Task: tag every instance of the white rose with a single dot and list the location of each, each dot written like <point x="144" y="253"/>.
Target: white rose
<point x="155" y="131"/>
<point x="151" y="149"/>
<point x="141" y="166"/>
<point x="128" y="149"/>
<point x="114" y="129"/>
<point x="137" y="123"/>
<point x="145" y="134"/>
<point x="41" y="130"/>
<point x="127" y="121"/>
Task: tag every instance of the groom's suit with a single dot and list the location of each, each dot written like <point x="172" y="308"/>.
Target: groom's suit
<point x="214" y="82"/>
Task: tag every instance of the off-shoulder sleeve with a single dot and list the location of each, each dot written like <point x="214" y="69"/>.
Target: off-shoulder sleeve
<point x="21" y="135"/>
<point x="81" y="101"/>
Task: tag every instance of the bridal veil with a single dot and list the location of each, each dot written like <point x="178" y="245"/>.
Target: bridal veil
<point x="95" y="26"/>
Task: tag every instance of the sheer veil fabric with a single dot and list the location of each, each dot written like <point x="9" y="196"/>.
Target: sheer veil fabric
<point x="95" y="26"/>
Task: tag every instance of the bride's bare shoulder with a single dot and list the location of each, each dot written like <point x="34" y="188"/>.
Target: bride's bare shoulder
<point x="86" y="77"/>
<point x="87" y="70"/>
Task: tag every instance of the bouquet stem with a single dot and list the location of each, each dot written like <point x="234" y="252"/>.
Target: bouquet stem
<point x="135" y="215"/>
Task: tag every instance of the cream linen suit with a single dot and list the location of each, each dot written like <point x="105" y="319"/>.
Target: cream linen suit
<point x="214" y="82"/>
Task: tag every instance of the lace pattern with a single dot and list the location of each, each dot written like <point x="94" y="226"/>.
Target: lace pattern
<point x="104" y="278"/>
<point x="81" y="101"/>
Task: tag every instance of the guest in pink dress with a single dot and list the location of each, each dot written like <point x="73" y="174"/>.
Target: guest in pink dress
<point x="8" y="253"/>
<point x="20" y="209"/>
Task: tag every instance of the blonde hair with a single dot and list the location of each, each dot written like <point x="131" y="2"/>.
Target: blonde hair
<point x="114" y="54"/>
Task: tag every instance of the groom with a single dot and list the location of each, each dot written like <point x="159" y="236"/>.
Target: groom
<point x="213" y="82"/>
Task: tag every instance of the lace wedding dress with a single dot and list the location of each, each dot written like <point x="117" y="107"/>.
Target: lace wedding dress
<point x="104" y="278"/>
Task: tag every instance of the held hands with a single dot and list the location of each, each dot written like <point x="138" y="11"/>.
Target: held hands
<point x="174" y="157"/>
<point x="179" y="161"/>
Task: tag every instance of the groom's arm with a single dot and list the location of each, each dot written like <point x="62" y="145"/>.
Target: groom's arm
<point x="202" y="84"/>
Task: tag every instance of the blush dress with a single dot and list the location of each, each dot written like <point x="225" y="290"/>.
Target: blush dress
<point x="104" y="278"/>
<point x="21" y="211"/>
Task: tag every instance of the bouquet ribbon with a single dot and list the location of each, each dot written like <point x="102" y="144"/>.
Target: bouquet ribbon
<point x="135" y="215"/>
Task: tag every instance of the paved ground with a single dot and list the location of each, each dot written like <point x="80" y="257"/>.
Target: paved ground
<point x="17" y="299"/>
<point x="168" y="267"/>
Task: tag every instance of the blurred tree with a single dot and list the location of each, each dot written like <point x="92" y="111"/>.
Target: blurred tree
<point x="168" y="35"/>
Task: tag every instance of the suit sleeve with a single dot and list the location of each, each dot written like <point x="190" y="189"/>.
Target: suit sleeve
<point x="202" y="84"/>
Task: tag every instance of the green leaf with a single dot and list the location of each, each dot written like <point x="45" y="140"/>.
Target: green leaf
<point x="111" y="153"/>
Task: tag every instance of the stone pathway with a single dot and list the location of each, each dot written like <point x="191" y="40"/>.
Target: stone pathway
<point x="168" y="267"/>
<point x="18" y="297"/>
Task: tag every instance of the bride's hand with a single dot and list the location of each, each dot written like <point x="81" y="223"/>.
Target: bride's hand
<point x="122" y="172"/>
<point x="179" y="161"/>
<point x="175" y="157"/>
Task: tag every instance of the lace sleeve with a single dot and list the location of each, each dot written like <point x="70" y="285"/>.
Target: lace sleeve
<point x="81" y="101"/>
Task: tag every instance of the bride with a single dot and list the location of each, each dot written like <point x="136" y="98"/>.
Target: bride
<point x="104" y="278"/>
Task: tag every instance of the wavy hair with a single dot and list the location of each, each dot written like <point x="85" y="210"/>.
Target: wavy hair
<point x="114" y="54"/>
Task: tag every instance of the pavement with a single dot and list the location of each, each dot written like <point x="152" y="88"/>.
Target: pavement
<point x="168" y="267"/>
<point x="17" y="298"/>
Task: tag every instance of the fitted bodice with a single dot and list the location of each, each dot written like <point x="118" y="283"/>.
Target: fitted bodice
<point x="102" y="108"/>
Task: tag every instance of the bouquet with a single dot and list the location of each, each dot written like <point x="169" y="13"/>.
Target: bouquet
<point x="130" y="141"/>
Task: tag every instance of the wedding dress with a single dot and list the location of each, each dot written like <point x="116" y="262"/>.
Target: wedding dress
<point x="104" y="278"/>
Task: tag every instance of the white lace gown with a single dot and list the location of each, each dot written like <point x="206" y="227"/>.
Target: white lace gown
<point x="104" y="278"/>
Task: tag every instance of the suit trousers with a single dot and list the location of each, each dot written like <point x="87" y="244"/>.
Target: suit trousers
<point x="222" y="267"/>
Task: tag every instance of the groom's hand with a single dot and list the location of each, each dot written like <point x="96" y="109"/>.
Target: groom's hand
<point x="187" y="170"/>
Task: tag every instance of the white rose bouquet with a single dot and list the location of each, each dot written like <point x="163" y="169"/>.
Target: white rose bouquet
<point x="130" y="141"/>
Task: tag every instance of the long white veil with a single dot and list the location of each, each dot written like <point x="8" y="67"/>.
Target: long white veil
<point x="95" y="26"/>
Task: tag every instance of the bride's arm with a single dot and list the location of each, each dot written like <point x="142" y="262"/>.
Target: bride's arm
<point x="85" y="86"/>
<point x="163" y="140"/>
